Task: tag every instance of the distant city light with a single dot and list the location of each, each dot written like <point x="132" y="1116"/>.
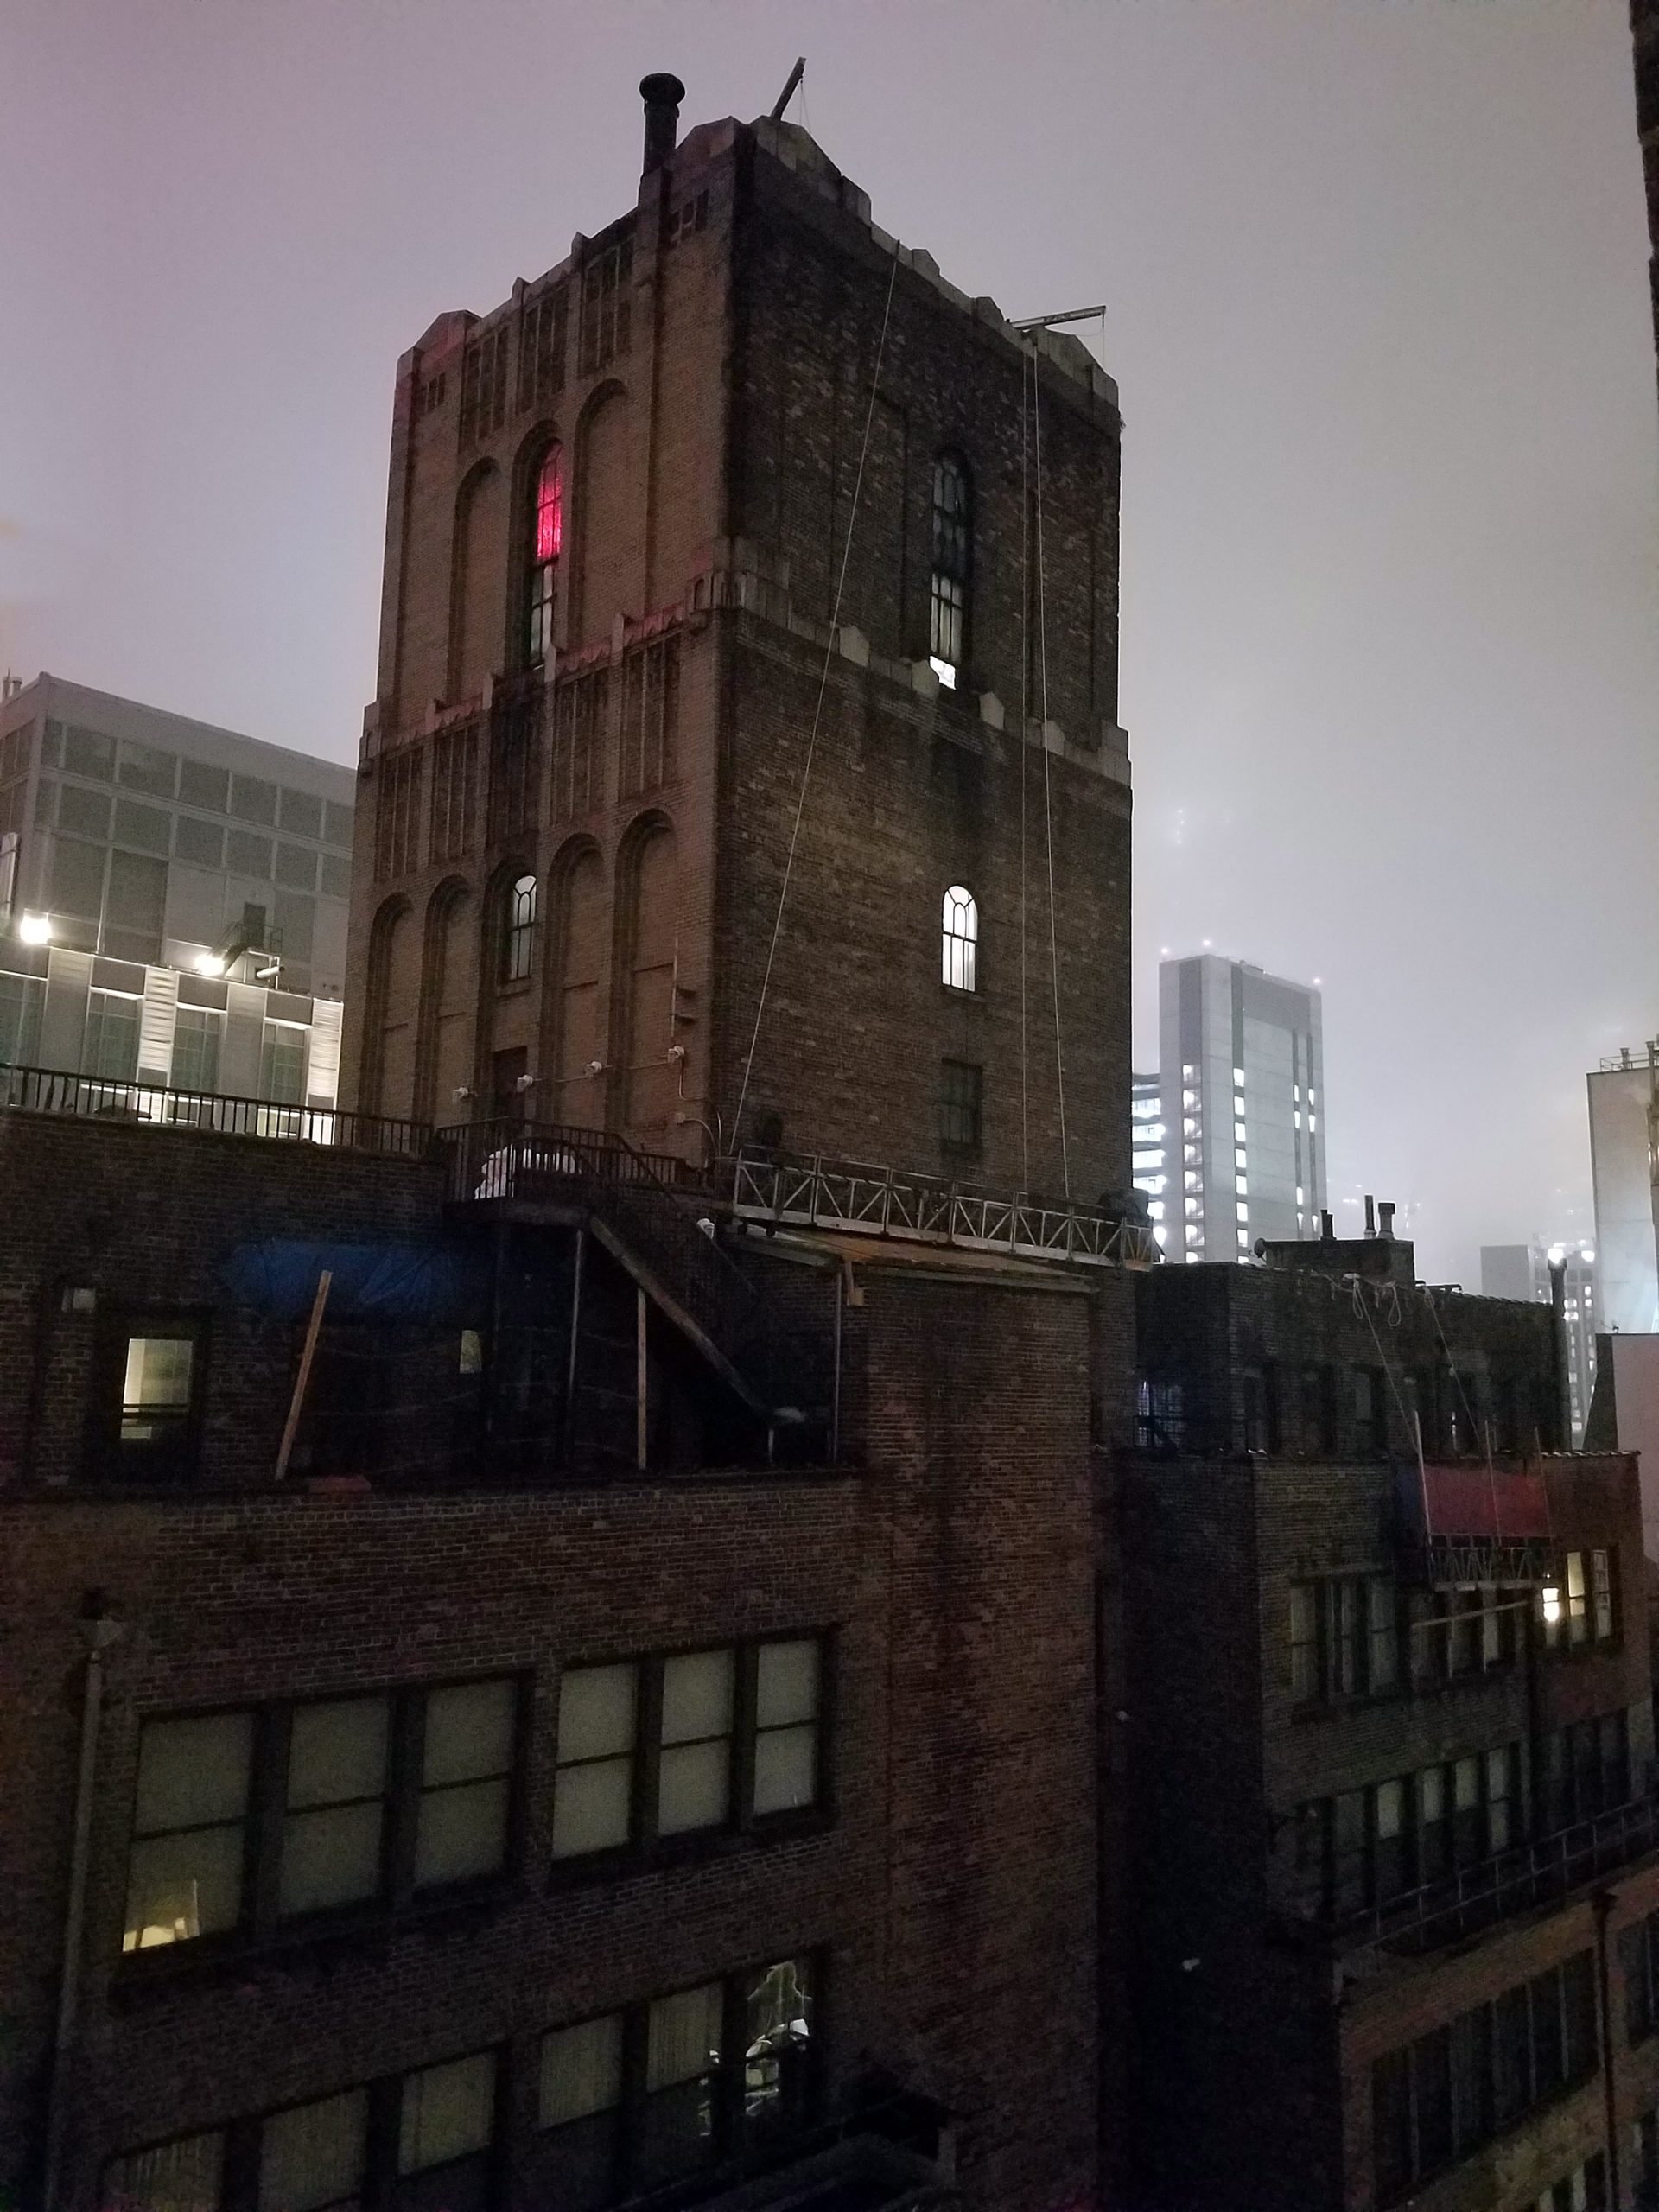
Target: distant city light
<point x="35" y="929"/>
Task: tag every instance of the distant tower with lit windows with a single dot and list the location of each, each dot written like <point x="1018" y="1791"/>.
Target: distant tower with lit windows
<point x="1243" y="1099"/>
<point x="747" y="678"/>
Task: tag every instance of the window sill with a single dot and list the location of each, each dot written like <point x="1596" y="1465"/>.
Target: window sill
<point x="316" y="1940"/>
<point x="516" y="988"/>
<point x="697" y="1846"/>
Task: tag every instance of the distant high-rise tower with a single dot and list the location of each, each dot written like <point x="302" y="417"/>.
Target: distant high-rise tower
<point x="1149" y="1151"/>
<point x="1627" y="1269"/>
<point x="1242" y="1085"/>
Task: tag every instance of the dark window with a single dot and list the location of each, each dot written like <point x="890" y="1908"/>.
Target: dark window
<point x="1316" y="1410"/>
<point x="960" y="1090"/>
<point x="518" y="929"/>
<point x="423" y="2142"/>
<point x="1160" y="1421"/>
<point x="248" y="1819"/>
<point x="1371" y="1412"/>
<point x="1411" y="1830"/>
<point x="952" y="556"/>
<point x="692" y="1742"/>
<point x="1344" y="1635"/>
<point x="656" y="2092"/>
<point x="1645" y="2163"/>
<point x="1456" y="2086"/>
<point x="606" y="301"/>
<point x="21" y="998"/>
<point x="1586" y="1769"/>
<point x="546" y="543"/>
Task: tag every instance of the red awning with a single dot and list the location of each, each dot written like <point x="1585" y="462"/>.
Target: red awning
<point x="1504" y="1506"/>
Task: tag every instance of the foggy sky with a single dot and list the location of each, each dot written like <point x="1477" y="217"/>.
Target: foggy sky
<point x="1377" y="308"/>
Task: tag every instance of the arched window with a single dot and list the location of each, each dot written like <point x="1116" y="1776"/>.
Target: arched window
<point x="546" y="538"/>
<point x="960" y="941"/>
<point x="518" y="930"/>
<point x="952" y="547"/>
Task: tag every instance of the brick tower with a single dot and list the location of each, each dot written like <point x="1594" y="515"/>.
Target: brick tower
<point x="620" y="507"/>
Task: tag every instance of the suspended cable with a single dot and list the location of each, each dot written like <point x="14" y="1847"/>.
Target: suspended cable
<point x="1048" y="810"/>
<point x="817" y="710"/>
<point x="1025" y="725"/>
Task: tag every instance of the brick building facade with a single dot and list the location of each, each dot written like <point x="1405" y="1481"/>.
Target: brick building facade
<point x="1394" y="1833"/>
<point x="741" y="484"/>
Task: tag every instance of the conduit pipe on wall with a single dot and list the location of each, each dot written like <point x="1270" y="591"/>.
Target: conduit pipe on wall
<point x="101" y="1632"/>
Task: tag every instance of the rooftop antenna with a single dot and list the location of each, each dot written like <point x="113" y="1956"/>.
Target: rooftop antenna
<point x="788" y="93"/>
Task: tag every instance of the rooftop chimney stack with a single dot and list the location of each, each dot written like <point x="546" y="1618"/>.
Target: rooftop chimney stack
<point x="1328" y="1227"/>
<point x="1385" y="1217"/>
<point x="1370" y="1215"/>
<point x="662" y="95"/>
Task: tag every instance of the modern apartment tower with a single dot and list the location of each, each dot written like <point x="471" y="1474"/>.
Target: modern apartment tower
<point x="1148" y="1152"/>
<point x="1620" y="1094"/>
<point x="1243" y="1085"/>
<point x="173" y="900"/>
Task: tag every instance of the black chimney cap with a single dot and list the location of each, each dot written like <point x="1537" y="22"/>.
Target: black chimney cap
<point x="661" y="89"/>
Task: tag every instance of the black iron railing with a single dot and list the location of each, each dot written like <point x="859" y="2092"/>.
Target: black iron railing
<point x="150" y="1105"/>
<point x="856" y="1198"/>
<point x="1532" y="1873"/>
<point x="653" y="1204"/>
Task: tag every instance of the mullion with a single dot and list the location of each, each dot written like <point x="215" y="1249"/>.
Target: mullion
<point x="272" y="1730"/>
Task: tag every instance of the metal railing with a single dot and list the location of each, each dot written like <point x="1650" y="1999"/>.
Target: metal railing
<point x="1531" y="1873"/>
<point x="654" y="1205"/>
<point x="134" y="1104"/>
<point x="849" y="1196"/>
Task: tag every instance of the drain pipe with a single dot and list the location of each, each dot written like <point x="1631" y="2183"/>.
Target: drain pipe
<point x="100" y="1631"/>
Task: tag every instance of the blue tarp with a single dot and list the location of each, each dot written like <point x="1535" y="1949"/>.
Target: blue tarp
<point x="372" y="1282"/>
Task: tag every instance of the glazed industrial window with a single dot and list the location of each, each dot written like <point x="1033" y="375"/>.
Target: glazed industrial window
<point x="21" y="998"/>
<point x="197" y="1034"/>
<point x="952" y="545"/>
<point x="281" y="1062"/>
<point x="1345" y="1637"/>
<point x="1585" y="2190"/>
<point x="546" y="542"/>
<point x="961" y="939"/>
<point x="1452" y="2090"/>
<point x="1582" y="1609"/>
<point x="652" y="2094"/>
<point x="1367" y="1846"/>
<point x="111" y="1051"/>
<point x="962" y="1085"/>
<point x="249" y="1819"/>
<point x="1585" y="1770"/>
<point x="1461" y="1632"/>
<point x="697" y="1741"/>
<point x="518" y="929"/>
<point x="412" y="2144"/>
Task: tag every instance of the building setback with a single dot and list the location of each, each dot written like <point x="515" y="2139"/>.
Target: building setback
<point x="172" y="901"/>
<point x="1387" y="1754"/>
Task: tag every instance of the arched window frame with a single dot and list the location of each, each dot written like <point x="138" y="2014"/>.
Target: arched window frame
<point x="953" y="534"/>
<point x="520" y="901"/>
<point x="544" y="543"/>
<point x="959" y="945"/>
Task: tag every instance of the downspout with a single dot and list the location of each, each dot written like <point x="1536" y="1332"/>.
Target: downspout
<point x="1603" y="1902"/>
<point x="100" y="1631"/>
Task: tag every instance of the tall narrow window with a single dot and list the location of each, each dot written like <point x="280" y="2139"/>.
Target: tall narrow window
<point x="948" y="605"/>
<point x="518" y="930"/>
<point x="547" y="536"/>
<point x="961" y="940"/>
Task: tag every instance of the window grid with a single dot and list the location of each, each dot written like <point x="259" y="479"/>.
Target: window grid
<point x="546" y="544"/>
<point x="947" y="610"/>
<point x="960" y="947"/>
<point x="320" y="1827"/>
<point x="518" y="929"/>
<point x="961" y="1106"/>
<point x="607" y="300"/>
<point x="640" y="1735"/>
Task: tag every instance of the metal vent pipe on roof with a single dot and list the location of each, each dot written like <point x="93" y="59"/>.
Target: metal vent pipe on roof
<point x="662" y="95"/>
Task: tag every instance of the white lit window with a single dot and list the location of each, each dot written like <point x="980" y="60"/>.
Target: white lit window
<point x="1244" y="1237"/>
<point x="1299" y="1199"/>
<point x="1238" y="1104"/>
<point x="1240" y="1185"/>
<point x="1155" y="1210"/>
<point x="1242" y="1211"/>
<point x="1193" y="1207"/>
<point x="1189" y="1074"/>
<point x="1189" y="1098"/>
<point x="942" y="669"/>
<point x="1241" y="1159"/>
<point x="1238" y="1133"/>
<point x="1189" y="1178"/>
<point x="1238" y="1078"/>
<point x="960" y="938"/>
<point x="1312" y="1123"/>
<point x="1161" y="1237"/>
<point x="1312" y="1096"/>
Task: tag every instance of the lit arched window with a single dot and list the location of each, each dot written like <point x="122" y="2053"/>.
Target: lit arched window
<point x="518" y="930"/>
<point x="952" y="541"/>
<point x="961" y="940"/>
<point x="546" y="536"/>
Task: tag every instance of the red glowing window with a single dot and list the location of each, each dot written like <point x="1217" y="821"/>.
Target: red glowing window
<point x="549" y="508"/>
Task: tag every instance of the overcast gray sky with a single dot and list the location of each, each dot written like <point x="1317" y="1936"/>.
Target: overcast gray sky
<point x="1376" y="281"/>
